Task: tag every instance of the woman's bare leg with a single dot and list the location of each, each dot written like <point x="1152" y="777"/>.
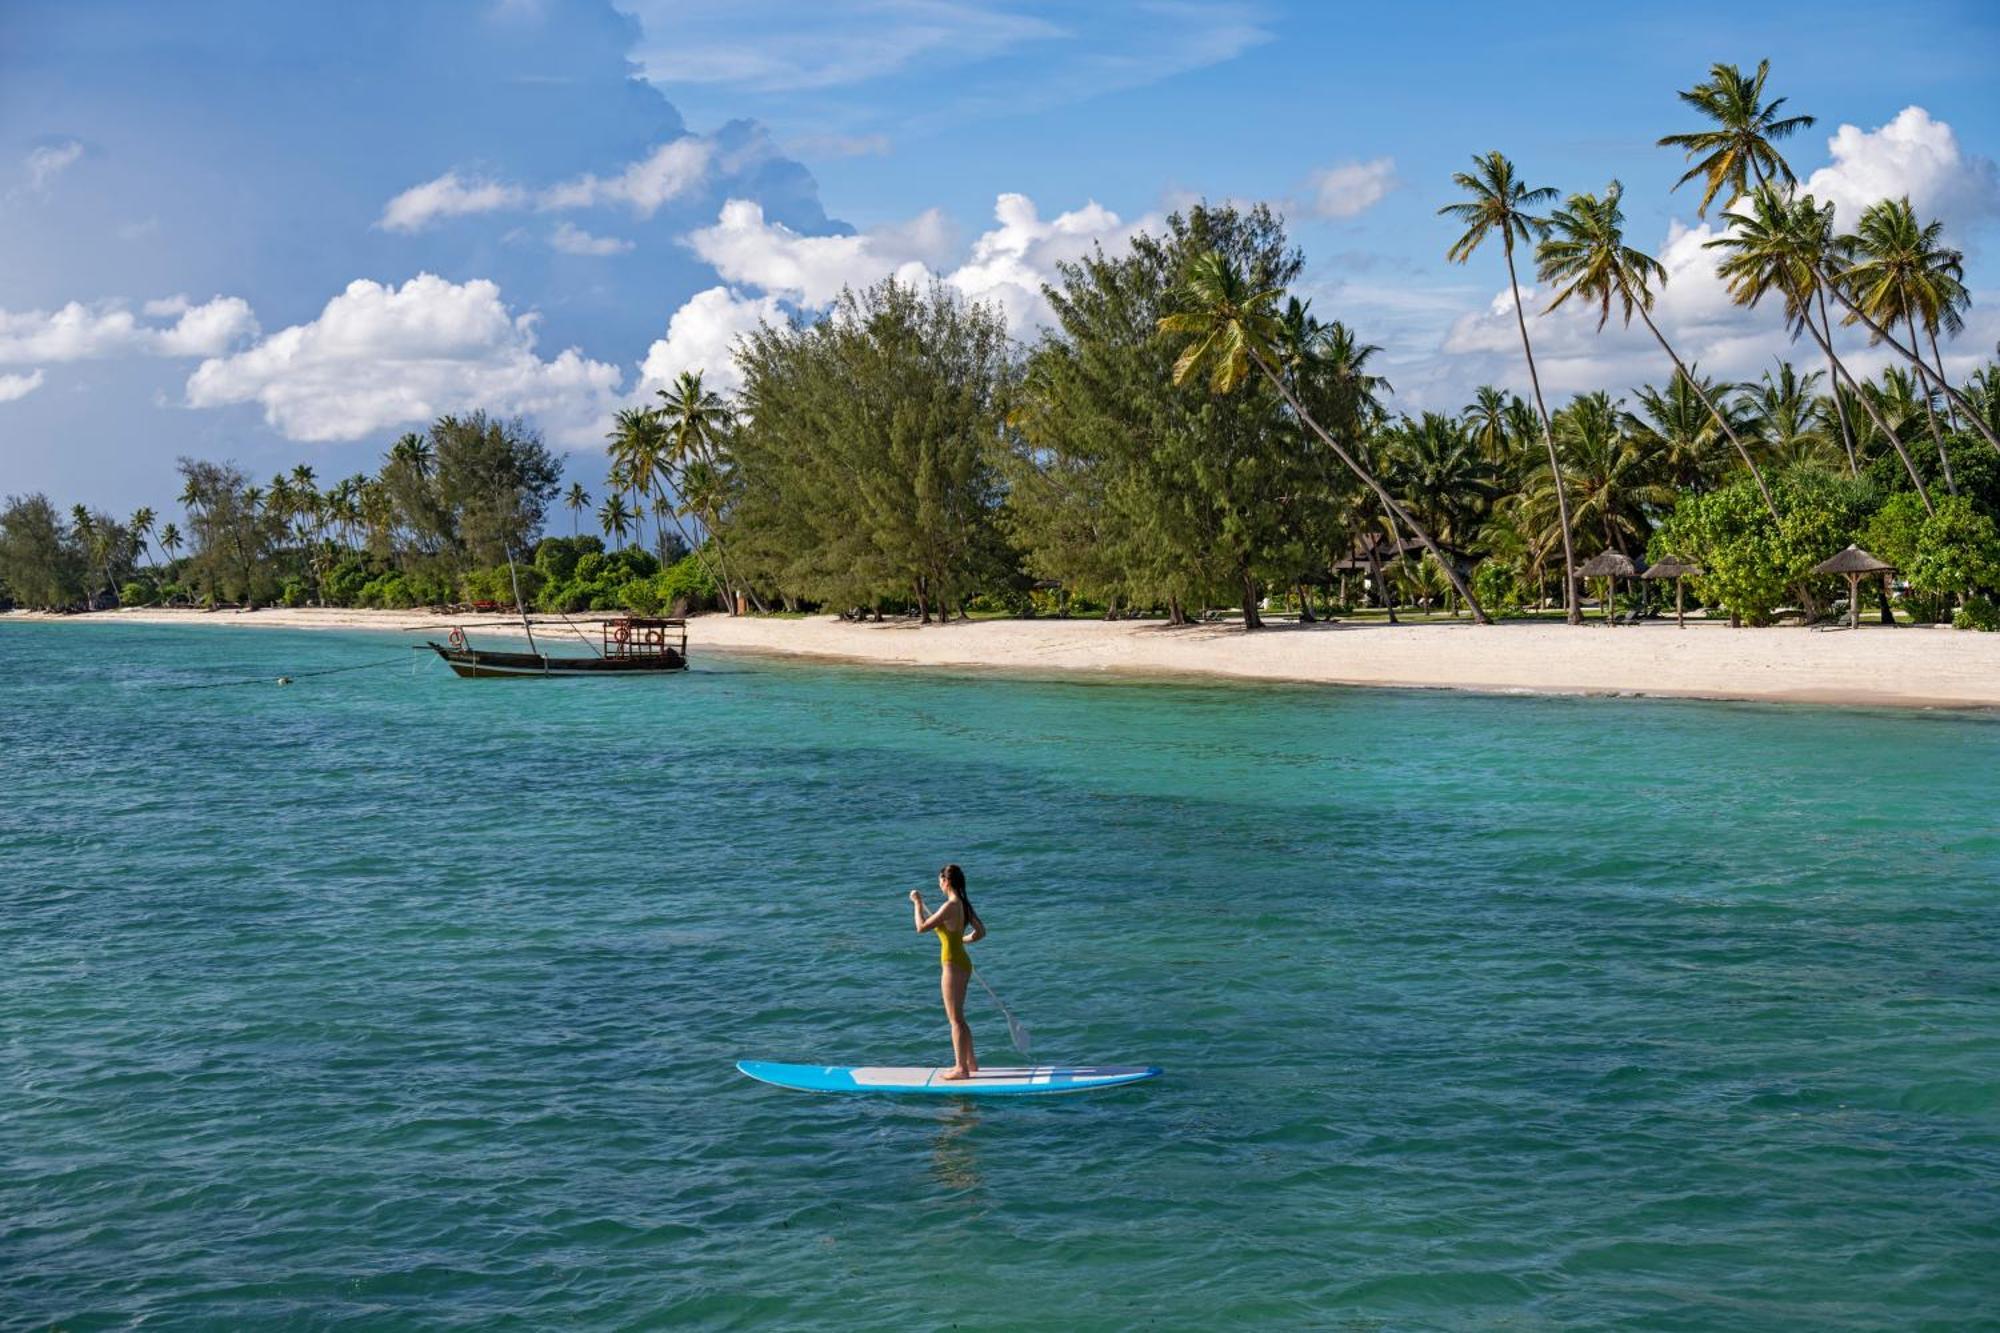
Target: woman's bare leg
<point x="952" y="983"/>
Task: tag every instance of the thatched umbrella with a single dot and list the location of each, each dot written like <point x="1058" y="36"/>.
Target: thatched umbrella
<point x="1609" y="566"/>
<point x="1853" y="562"/>
<point x="1675" y="568"/>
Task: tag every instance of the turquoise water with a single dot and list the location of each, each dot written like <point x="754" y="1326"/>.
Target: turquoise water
<point x="391" y="999"/>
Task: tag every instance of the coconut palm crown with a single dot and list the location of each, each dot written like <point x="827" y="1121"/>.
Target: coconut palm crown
<point x="1737" y="152"/>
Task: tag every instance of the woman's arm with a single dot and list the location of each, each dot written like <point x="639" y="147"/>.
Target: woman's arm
<point x="975" y="931"/>
<point x="917" y="908"/>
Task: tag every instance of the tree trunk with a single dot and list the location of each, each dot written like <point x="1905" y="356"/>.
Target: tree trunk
<point x="1479" y="616"/>
<point x="1382" y="592"/>
<point x="1951" y="394"/>
<point x="1720" y="420"/>
<point x="1868" y="406"/>
<point x="1951" y="408"/>
<point x="1305" y="606"/>
<point x="1251" y="620"/>
<point x="1930" y="415"/>
<point x="1839" y="406"/>
<point x="1573" y="610"/>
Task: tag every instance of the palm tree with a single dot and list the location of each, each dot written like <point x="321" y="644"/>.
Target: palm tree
<point x="1500" y="202"/>
<point x="1677" y="429"/>
<point x="1586" y="256"/>
<point x="1614" y="477"/>
<point x="1232" y="329"/>
<point x="615" y="517"/>
<point x="1739" y="153"/>
<point x="697" y="422"/>
<point x="1739" y="148"/>
<point x="1791" y="419"/>
<point x="170" y="541"/>
<point x="141" y="528"/>
<point x="1486" y="417"/>
<point x="415" y="450"/>
<point x="1900" y="271"/>
<point x="576" y="501"/>
<point x="1782" y="245"/>
<point x="638" y="457"/>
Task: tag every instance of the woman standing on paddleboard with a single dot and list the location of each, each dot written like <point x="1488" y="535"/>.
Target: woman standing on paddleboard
<point x="957" y="925"/>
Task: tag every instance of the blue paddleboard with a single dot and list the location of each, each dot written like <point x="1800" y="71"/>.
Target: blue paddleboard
<point x="912" y="1080"/>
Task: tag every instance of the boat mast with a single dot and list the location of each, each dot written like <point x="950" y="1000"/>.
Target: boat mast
<point x="515" y="579"/>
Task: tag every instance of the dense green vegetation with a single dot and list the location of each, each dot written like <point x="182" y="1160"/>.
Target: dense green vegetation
<point x="1189" y="436"/>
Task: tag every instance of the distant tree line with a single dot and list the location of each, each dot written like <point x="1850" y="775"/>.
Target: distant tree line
<point x="1189" y="437"/>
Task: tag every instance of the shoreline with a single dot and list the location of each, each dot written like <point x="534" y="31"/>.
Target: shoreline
<point x="1904" y="667"/>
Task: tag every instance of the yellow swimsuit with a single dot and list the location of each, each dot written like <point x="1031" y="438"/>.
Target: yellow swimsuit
<point x="951" y="948"/>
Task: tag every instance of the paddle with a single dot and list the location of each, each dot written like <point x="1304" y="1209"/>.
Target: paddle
<point x="1016" y="1029"/>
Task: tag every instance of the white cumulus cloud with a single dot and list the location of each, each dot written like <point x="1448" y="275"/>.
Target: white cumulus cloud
<point x="746" y="249"/>
<point x="1914" y="155"/>
<point x="449" y="196"/>
<point x="770" y="267"/>
<point x="574" y="240"/>
<point x="380" y="356"/>
<point x="702" y="337"/>
<point x="79" y="332"/>
<point x="1349" y="189"/>
<point x="19" y="386"/>
<point x="1009" y="264"/>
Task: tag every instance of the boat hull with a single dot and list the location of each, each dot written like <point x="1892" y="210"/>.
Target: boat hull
<point x="479" y="664"/>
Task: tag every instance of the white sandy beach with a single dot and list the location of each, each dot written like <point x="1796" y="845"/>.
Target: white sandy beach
<point x="1903" y="666"/>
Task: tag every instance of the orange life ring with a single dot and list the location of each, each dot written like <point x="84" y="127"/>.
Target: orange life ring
<point x="623" y="634"/>
<point x="456" y="638"/>
<point x="656" y="637"/>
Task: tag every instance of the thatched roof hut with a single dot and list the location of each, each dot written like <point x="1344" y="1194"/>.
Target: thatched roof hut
<point x="1853" y="560"/>
<point x="1672" y="567"/>
<point x="1675" y="568"/>
<point x="1609" y="565"/>
<point x="1854" y="563"/>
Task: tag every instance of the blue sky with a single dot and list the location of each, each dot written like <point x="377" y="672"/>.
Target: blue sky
<point x="288" y="232"/>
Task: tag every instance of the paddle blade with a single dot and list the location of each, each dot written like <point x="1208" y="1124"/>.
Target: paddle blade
<point x="1019" y="1032"/>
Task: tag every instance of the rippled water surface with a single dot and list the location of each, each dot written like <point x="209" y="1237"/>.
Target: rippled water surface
<point x="399" y="1000"/>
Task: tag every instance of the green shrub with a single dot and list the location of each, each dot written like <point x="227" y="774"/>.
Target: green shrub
<point x="136" y="593"/>
<point x="1497" y="587"/>
<point x="1978" y="613"/>
<point x="641" y="597"/>
<point x="1958" y="550"/>
<point x="687" y="578"/>
<point x="293" y="592"/>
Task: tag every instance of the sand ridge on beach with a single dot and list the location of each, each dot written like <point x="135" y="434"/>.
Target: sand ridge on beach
<point x="1902" y="666"/>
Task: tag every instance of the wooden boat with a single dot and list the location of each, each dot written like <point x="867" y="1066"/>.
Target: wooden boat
<point x="632" y="645"/>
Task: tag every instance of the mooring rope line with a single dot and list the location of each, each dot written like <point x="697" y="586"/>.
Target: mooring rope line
<point x="288" y="679"/>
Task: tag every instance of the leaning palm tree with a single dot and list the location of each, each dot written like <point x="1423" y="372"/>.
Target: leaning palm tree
<point x="1232" y="329"/>
<point x="614" y="517"/>
<point x="1898" y="270"/>
<point x="1782" y="245"/>
<point x="576" y="501"/>
<point x="170" y="541"/>
<point x="1737" y="152"/>
<point x="141" y="528"/>
<point x="1501" y="203"/>
<point x="1586" y="256"/>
